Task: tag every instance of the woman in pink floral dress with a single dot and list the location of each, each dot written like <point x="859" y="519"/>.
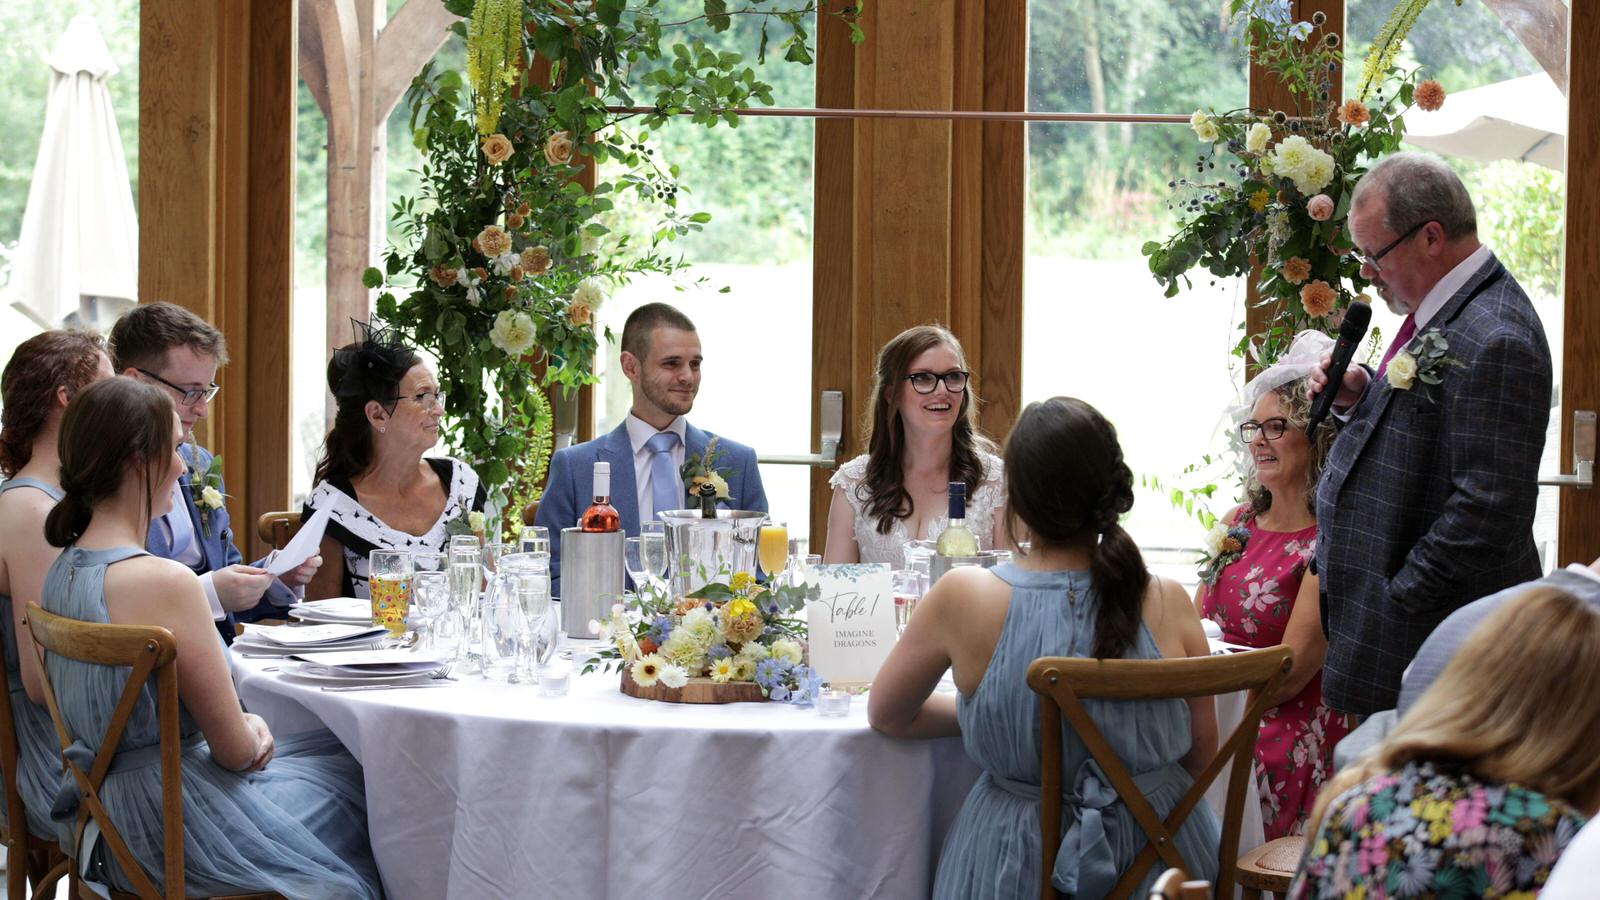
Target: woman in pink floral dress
<point x="1256" y="587"/>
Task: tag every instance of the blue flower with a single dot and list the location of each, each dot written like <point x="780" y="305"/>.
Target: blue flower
<point x="659" y="629"/>
<point x="718" y="651"/>
<point x="807" y="684"/>
<point x="770" y="673"/>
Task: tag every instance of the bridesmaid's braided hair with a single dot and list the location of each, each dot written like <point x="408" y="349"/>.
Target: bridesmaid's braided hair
<point x="1068" y="484"/>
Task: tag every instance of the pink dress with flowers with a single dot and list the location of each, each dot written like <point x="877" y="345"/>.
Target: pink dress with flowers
<point x="1251" y="602"/>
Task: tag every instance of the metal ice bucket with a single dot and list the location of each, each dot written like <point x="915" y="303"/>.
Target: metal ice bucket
<point x="701" y="550"/>
<point x="591" y="577"/>
<point x="938" y="565"/>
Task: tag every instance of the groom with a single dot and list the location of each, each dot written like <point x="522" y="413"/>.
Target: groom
<point x="661" y="359"/>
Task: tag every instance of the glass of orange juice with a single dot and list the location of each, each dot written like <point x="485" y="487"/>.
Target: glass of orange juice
<point x="389" y="583"/>
<point x="772" y="548"/>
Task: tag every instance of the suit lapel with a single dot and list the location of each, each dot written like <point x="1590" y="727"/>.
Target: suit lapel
<point x="210" y="545"/>
<point x="618" y="451"/>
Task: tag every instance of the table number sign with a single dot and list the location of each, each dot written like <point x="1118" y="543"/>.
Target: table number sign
<point x="851" y="623"/>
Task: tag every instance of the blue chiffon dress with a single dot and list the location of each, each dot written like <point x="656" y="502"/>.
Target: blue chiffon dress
<point x="993" y="849"/>
<point x="297" y="827"/>
<point x="38" y="750"/>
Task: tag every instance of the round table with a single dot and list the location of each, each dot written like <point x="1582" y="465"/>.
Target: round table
<point x="481" y="789"/>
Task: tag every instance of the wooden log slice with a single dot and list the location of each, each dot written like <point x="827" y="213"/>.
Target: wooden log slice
<point x="698" y="690"/>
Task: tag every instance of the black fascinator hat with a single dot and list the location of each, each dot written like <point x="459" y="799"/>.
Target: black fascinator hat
<point x="371" y="368"/>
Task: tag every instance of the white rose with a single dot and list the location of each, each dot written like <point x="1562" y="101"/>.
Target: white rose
<point x="1214" y="538"/>
<point x="513" y="332"/>
<point x="476" y="522"/>
<point x="588" y="295"/>
<point x="1315" y="173"/>
<point x="1207" y="132"/>
<point x="1268" y="166"/>
<point x="505" y="262"/>
<point x="1255" y="140"/>
<point x="211" y="498"/>
<point x="1402" y="371"/>
<point x="788" y="651"/>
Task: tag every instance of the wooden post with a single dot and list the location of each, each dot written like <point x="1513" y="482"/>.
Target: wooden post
<point x="1579" y="528"/>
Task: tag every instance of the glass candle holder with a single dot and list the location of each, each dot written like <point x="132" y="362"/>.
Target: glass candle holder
<point x="833" y="703"/>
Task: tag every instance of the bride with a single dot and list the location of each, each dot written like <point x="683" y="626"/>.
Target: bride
<point x="924" y="435"/>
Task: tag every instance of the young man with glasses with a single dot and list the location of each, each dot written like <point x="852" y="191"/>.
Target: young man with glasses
<point x="1426" y="502"/>
<point x="648" y="452"/>
<point x="168" y="346"/>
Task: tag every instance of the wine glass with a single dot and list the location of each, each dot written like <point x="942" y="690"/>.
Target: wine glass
<point x="633" y="559"/>
<point x="653" y="551"/>
<point x="907" y="587"/>
<point x="772" y="547"/>
<point x="547" y="639"/>
<point x="430" y="592"/>
<point x="466" y="574"/>
<point x="389" y="586"/>
<point x="534" y="539"/>
<point x="532" y="592"/>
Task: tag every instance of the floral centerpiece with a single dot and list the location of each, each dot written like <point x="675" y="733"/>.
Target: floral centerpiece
<point x="1280" y="205"/>
<point x="504" y="257"/>
<point x="731" y="633"/>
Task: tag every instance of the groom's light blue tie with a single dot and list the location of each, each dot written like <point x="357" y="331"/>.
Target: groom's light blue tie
<point x="663" y="480"/>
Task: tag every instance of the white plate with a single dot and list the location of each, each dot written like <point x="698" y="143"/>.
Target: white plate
<point x="321" y="618"/>
<point x="251" y="648"/>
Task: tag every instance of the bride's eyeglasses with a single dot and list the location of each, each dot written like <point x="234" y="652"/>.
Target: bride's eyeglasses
<point x="926" y="382"/>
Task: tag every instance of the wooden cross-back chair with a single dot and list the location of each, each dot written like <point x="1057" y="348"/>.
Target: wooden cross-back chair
<point x="276" y="528"/>
<point x="1174" y="884"/>
<point x="150" y="651"/>
<point x="1062" y="683"/>
<point x="29" y="857"/>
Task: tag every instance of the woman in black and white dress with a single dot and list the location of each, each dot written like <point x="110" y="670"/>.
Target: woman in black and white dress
<point x="381" y="492"/>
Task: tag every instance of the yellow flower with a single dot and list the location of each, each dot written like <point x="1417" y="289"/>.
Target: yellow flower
<point x="742" y="627"/>
<point x="493" y="241"/>
<point x="1258" y="200"/>
<point x="722" y="670"/>
<point x="741" y="581"/>
<point x="496" y="149"/>
<point x="717" y="481"/>
<point x="739" y="606"/>
<point x="647" y="670"/>
<point x="1402" y="371"/>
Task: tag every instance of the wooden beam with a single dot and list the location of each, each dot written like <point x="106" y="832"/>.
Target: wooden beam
<point x="230" y="420"/>
<point x="1541" y="26"/>
<point x="342" y="50"/>
<point x="1004" y="174"/>
<point x="1579" y="529"/>
<point x="410" y="39"/>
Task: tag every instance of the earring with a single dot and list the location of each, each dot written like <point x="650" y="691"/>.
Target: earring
<point x="382" y="430"/>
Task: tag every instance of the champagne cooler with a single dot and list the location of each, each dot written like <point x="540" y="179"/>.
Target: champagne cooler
<point x="591" y="577"/>
<point x="938" y="565"/>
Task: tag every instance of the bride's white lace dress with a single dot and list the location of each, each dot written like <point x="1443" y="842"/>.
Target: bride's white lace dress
<point x="873" y="547"/>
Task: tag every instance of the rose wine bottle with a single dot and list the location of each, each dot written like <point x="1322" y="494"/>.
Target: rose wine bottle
<point x="957" y="539"/>
<point x="601" y="515"/>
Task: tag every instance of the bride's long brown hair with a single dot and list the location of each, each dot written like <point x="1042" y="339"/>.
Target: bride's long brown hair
<point x="883" y="490"/>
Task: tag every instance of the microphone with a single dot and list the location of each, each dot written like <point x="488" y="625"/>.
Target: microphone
<point x="1351" y="332"/>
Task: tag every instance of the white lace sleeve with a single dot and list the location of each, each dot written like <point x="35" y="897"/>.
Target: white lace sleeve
<point x="987" y="501"/>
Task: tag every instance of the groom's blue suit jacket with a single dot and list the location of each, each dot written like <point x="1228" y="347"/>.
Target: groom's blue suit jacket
<point x="570" y="487"/>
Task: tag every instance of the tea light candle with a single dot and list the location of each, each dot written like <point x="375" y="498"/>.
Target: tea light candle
<point x="833" y="702"/>
<point x="555" y="681"/>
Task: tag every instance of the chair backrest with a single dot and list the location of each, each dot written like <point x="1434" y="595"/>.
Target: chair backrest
<point x="148" y="650"/>
<point x="1062" y="682"/>
<point x="16" y="824"/>
<point x="276" y="528"/>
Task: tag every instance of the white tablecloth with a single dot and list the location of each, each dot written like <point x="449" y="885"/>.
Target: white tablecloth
<point x="481" y="789"/>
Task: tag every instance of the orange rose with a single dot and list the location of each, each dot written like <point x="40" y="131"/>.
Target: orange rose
<point x="1318" y="298"/>
<point x="443" y="276"/>
<point x="493" y="241"/>
<point x="524" y="210"/>
<point x="1296" y="270"/>
<point x="558" y="149"/>
<point x="647" y="646"/>
<point x="480" y="273"/>
<point x="1354" y="113"/>
<point x="579" y="315"/>
<point x="1429" y="95"/>
<point x="517" y="273"/>
<point x="536" y="260"/>
<point x="496" y="149"/>
<point x="514" y="222"/>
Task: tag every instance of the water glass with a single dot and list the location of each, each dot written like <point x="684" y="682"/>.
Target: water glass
<point x="430" y="594"/>
<point x="491" y="556"/>
<point x="502" y="623"/>
<point x="653" y="550"/>
<point x="389" y="585"/>
<point x="547" y="636"/>
<point x="534" y="539"/>
<point x="466" y="574"/>
<point x="464" y="541"/>
<point x="429" y="561"/>
<point x="633" y="561"/>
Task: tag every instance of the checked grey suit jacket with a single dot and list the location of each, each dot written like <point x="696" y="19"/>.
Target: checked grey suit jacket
<point x="1426" y="501"/>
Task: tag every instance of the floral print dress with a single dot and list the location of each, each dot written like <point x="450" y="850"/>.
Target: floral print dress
<point x="1251" y="601"/>
<point x="1429" y="830"/>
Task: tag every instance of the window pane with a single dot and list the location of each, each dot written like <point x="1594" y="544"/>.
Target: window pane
<point x="1096" y="326"/>
<point x="1521" y="205"/>
<point x="1138" y="56"/>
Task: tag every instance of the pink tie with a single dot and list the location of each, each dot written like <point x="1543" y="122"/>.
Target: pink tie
<point x="1401" y="338"/>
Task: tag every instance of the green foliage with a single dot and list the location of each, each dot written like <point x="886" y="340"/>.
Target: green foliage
<point x="1386" y="46"/>
<point x="502" y="257"/>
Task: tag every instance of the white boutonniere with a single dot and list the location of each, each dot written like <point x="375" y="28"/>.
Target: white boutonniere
<point x="1424" y="365"/>
<point x="703" y="468"/>
<point x="206" y="489"/>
